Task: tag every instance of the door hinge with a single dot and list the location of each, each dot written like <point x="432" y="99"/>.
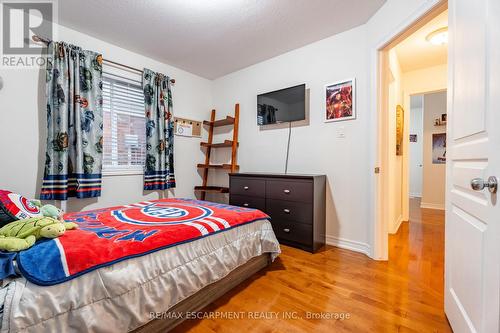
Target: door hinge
<point x="377" y="169"/>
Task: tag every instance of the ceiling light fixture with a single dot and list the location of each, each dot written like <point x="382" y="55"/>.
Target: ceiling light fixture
<point x="438" y="37"/>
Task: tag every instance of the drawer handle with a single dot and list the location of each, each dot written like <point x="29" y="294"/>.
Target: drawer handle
<point x="245" y="188"/>
<point x="245" y="204"/>
<point x="286" y="191"/>
<point x="286" y="230"/>
<point x="286" y="211"/>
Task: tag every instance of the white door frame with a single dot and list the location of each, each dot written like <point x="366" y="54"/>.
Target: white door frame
<point x="379" y="227"/>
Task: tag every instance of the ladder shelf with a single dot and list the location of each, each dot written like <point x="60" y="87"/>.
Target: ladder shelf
<point x="225" y="144"/>
<point x="233" y="144"/>
<point x="222" y="122"/>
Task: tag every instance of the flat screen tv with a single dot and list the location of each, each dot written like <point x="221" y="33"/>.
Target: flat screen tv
<point x="284" y="105"/>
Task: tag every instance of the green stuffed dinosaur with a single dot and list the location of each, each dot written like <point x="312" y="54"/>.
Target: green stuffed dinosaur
<point x="22" y="234"/>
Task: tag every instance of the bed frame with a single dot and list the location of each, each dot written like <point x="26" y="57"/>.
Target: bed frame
<point x="207" y="295"/>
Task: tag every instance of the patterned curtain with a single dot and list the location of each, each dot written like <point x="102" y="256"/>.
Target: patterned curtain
<point x="74" y="120"/>
<point x="159" y="169"/>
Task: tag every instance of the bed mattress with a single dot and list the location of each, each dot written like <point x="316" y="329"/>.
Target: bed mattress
<point x="123" y="296"/>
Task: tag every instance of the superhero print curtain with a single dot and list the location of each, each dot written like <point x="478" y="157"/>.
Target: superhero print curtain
<point x="73" y="162"/>
<point x="159" y="165"/>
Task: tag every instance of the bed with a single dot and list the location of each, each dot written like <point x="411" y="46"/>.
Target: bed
<point x="138" y="293"/>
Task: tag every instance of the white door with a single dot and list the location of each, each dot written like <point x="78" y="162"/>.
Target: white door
<point x="416" y="145"/>
<point x="472" y="278"/>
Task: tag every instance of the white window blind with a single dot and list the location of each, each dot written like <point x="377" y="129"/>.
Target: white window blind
<point x="124" y="142"/>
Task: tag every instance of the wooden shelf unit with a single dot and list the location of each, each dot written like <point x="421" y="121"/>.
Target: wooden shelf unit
<point x="216" y="189"/>
<point x="222" y="122"/>
<point x="233" y="144"/>
<point x="226" y="143"/>
<point x="216" y="166"/>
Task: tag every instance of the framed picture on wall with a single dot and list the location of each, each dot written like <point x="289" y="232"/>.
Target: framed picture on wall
<point x="400" y="118"/>
<point x="439" y="148"/>
<point x="340" y="101"/>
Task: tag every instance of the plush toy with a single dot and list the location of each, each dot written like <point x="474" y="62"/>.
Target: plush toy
<point x="48" y="210"/>
<point x="22" y="234"/>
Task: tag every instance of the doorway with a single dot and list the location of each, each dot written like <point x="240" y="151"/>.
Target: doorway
<point x="411" y="65"/>
<point x="427" y="150"/>
<point x="412" y="142"/>
<point x="414" y="87"/>
<point x="472" y="246"/>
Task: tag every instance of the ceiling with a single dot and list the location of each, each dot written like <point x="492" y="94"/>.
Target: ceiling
<point x="415" y="52"/>
<point x="212" y="38"/>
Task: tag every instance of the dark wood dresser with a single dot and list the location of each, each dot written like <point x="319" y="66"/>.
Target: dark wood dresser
<point x="295" y="203"/>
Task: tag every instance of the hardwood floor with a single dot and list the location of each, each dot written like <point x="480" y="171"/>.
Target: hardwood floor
<point x="404" y="294"/>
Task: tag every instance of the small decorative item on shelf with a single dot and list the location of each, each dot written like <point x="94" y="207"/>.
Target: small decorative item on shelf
<point x="440" y="121"/>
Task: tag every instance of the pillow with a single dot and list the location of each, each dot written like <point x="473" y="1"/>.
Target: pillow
<point x="16" y="207"/>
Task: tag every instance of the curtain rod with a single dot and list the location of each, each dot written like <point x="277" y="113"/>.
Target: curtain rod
<point x="47" y="41"/>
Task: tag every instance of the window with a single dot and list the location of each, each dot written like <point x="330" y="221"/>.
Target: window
<point x="124" y="142"/>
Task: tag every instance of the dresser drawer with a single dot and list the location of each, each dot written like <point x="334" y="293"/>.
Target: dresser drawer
<point x="247" y="201"/>
<point x="247" y="186"/>
<point x="293" y="231"/>
<point x="290" y="210"/>
<point x="289" y="190"/>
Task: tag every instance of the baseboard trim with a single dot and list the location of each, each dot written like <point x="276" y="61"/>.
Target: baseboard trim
<point x="431" y="206"/>
<point x="398" y="224"/>
<point x="348" y="244"/>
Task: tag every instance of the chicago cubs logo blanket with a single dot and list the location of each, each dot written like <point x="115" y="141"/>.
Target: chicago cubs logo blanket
<point x="106" y="236"/>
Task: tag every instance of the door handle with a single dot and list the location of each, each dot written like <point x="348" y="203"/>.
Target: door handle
<point x="478" y="184"/>
<point x="286" y="191"/>
<point x="286" y="230"/>
<point x="286" y="210"/>
<point x="245" y="188"/>
<point x="245" y="204"/>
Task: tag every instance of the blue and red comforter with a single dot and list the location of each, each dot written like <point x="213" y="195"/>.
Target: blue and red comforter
<point x="109" y="235"/>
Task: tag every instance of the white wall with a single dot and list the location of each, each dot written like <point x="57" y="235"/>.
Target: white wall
<point x="433" y="194"/>
<point x="315" y="148"/>
<point x="425" y="80"/>
<point x="395" y="162"/>
<point x="416" y="148"/>
<point x="23" y="133"/>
